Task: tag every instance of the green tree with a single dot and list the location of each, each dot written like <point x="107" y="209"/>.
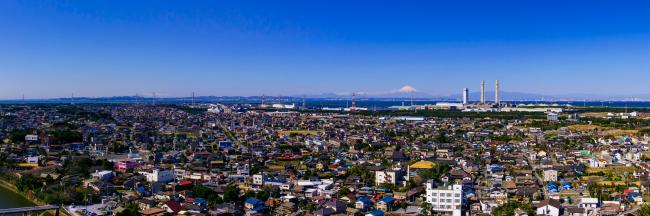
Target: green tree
<point x="435" y="172"/>
<point x="130" y="209"/>
<point x="208" y="194"/>
<point x="343" y="191"/>
<point x="231" y="193"/>
<point x="441" y="138"/>
<point x="509" y="209"/>
<point x="427" y="209"/>
<point x="644" y="210"/>
<point x="264" y="194"/>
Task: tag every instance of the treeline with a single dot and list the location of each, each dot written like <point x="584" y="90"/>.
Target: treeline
<point x="60" y="137"/>
<point x="618" y="123"/>
<point x="190" y="110"/>
<point x="510" y="208"/>
<point x="612" y="109"/>
<point x="548" y="125"/>
<point x="65" y="189"/>
<point x="82" y="113"/>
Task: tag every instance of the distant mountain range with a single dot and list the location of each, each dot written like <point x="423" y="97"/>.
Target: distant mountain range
<point x="474" y="96"/>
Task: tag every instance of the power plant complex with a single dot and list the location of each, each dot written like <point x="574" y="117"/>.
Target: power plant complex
<point x="497" y="99"/>
<point x="465" y="104"/>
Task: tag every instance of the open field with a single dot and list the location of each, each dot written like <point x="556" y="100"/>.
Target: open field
<point x="605" y="130"/>
<point x="617" y="183"/>
<point x="281" y="165"/>
<point x="594" y="114"/>
<point x="618" y="132"/>
<point x="613" y="169"/>
<point x="582" y="127"/>
<point x="645" y="153"/>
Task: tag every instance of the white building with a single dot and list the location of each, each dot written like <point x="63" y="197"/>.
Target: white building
<point x="349" y="109"/>
<point x="31" y="137"/>
<point x="32" y="160"/>
<point x="589" y="204"/>
<point x="533" y="109"/>
<point x="331" y="109"/>
<point x="448" y="105"/>
<point x="284" y="106"/>
<point x="552" y="116"/>
<point x="388" y="177"/>
<point x="104" y="175"/>
<point x="158" y="175"/>
<point x="548" y="208"/>
<point x="465" y="96"/>
<point x="258" y="179"/>
<point x="446" y="200"/>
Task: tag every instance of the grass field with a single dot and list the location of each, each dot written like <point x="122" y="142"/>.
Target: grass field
<point x="583" y="128"/>
<point x="594" y="114"/>
<point x="620" y="170"/>
<point x="610" y="183"/>
<point x="618" y="132"/>
<point x="281" y="165"/>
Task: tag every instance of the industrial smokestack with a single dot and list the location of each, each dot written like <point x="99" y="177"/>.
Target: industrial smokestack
<point x="465" y="96"/>
<point x="497" y="100"/>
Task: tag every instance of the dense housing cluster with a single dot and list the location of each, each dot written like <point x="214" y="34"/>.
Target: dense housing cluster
<point x="171" y="159"/>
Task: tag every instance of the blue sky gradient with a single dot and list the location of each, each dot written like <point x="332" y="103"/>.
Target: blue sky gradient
<point x="50" y="49"/>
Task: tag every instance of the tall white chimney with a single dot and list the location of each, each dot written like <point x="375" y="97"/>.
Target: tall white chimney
<point x="465" y="96"/>
<point x="497" y="100"/>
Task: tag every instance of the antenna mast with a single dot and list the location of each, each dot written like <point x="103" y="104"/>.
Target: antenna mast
<point x="193" y="99"/>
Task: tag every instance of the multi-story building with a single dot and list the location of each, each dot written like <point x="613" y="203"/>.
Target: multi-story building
<point x="387" y="177"/>
<point x="158" y="175"/>
<point x="259" y="179"/>
<point x="552" y="116"/>
<point x="445" y="200"/>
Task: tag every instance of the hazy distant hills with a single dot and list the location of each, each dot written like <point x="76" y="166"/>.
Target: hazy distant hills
<point x="489" y="96"/>
<point x="474" y="96"/>
<point x="370" y="96"/>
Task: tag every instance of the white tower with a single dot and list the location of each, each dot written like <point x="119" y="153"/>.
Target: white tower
<point x="465" y="96"/>
<point x="497" y="100"/>
<point x="482" y="91"/>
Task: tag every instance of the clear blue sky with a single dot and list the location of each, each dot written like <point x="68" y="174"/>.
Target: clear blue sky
<point x="105" y="48"/>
